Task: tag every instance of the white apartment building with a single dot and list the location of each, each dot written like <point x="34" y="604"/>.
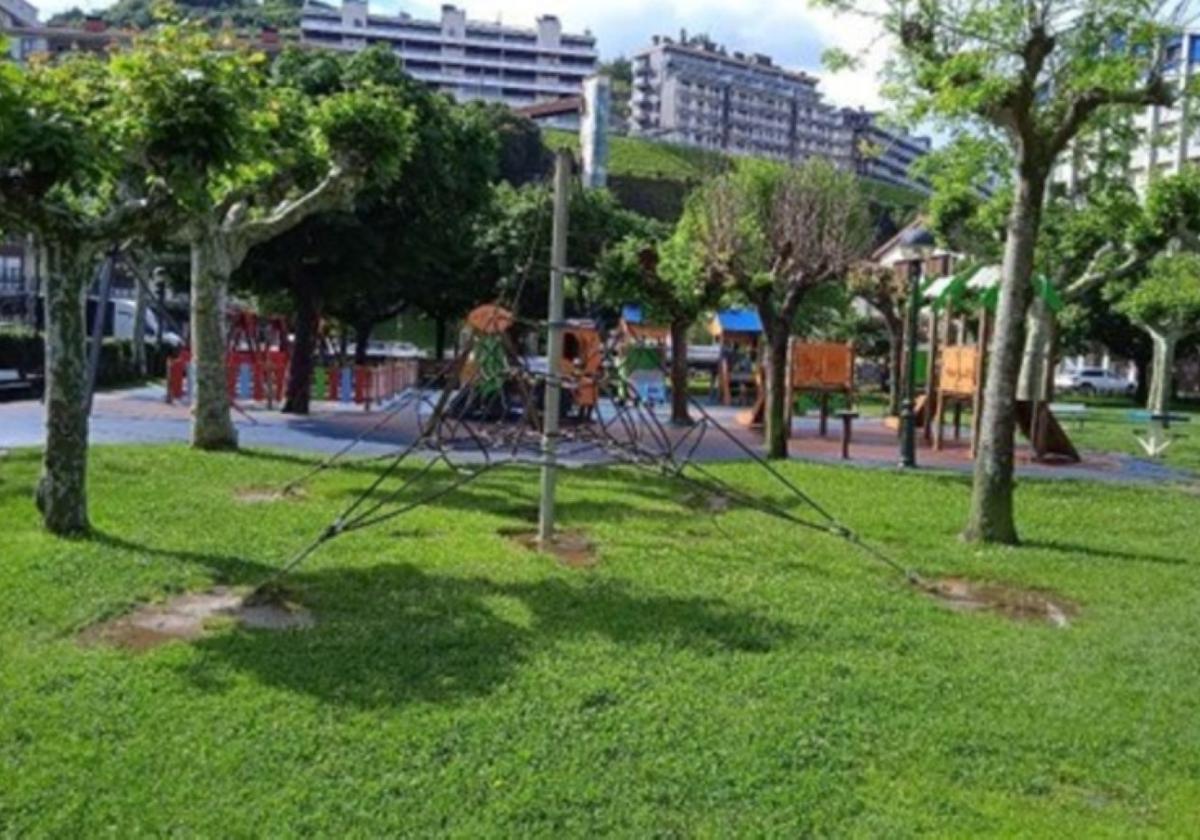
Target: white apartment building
<point x="1165" y="148"/>
<point x="1162" y="147"/>
<point x="694" y="92"/>
<point x="469" y="59"/>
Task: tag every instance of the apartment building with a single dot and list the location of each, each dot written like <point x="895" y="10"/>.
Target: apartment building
<point x="882" y="153"/>
<point x="1162" y="148"/>
<point x="468" y="59"/>
<point x="695" y="92"/>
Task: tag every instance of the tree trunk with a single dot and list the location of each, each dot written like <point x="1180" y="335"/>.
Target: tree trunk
<point x="1143" y="365"/>
<point x="362" y="340"/>
<point x="212" y="425"/>
<point x="300" y="371"/>
<point x="991" y="518"/>
<point x="439" y="339"/>
<point x="1039" y="351"/>
<point x="1163" y="372"/>
<point x="680" y="415"/>
<point x="62" y="489"/>
<point x="778" y="430"/>
<point x="139" y="330"/>
<point x="895" y="365"/>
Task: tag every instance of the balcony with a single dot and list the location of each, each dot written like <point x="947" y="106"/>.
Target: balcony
<point x="396" y="33"/>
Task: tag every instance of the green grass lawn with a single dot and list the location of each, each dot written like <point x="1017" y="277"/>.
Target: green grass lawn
<point x="1109" y="428"/>
<point x="709" y="677"/>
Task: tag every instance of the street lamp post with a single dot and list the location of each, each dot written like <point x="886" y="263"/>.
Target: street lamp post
<point x="918" y="244"/>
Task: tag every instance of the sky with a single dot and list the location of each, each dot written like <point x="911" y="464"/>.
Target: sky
<point x="787" y="30"/>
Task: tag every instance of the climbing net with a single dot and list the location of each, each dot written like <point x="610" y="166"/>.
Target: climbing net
<point x="483" y="412"/>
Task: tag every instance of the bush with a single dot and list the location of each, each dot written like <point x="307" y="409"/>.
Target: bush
<point x="23" y="350"/>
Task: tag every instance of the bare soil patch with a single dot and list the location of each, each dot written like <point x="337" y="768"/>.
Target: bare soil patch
<point x="571" y="548"/>
<point x="1012" y="602"/>
<point x="266" y="495"/>
<point x="194" y="615"/>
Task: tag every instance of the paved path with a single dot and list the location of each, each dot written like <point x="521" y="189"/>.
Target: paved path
<point x="142" y="416"/>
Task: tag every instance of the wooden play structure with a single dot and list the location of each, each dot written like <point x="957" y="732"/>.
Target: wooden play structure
<point x="819" y="369"/>
<point x="957" y="372"/>
<point x="739" y="334"/>
<point x="581" y="365"/>
<point x="642" y="355"/>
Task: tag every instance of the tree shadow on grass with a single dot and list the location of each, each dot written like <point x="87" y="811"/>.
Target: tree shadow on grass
<point x="393" y="634"/>
<point x="225" y="568"/>
<point x="1092" y="552"/>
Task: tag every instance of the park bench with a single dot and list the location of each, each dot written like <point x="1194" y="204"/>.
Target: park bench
<point x="1159" y="436"/>
<point x="1077" y="412"/>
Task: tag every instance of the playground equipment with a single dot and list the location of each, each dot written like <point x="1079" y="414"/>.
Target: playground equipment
<point x="492" y="381"/>
<point x="624" y="432"/>
<point x="258" y="355"/>
<point x="628" y="434"/>
<point x="739" y="333"/>
<point x="819" y="369"/>
<point x="957" y="370"/>
<point x="643" y="355"/>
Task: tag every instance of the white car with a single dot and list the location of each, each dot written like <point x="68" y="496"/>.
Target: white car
<point x="1089" y="381"/>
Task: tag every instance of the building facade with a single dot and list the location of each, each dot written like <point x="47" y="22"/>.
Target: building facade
<point x="882" y="153"/>
<point x="1163" y="146"/>
<point x="468" y="59"/>
<point x="696" y="93"/>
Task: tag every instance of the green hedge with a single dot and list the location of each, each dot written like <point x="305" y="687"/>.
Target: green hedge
<point x="22" y="350"/>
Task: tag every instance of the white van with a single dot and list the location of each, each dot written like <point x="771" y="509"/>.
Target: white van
<point x="118" y="323"/>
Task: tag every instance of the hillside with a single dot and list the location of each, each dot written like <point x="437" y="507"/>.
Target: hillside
<point x="642" y="161"/>
<point x="141" y="14"/>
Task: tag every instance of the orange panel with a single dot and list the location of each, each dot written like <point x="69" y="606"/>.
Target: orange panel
<point x="826" y="366"/>
<point x="960" y="370"/>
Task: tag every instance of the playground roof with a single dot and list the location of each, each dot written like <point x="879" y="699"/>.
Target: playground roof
<point x="739" y="320"/>
<point x="631" y="314"/>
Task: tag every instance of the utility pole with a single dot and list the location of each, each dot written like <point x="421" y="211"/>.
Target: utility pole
<point x="554" y="345"/>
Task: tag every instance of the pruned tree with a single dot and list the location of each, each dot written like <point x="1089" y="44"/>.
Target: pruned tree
<point x="69" y="179"/>
<point x="775" y="235"/>
<point x="1166" y="304"/>
<point x="661" y="273"/>
<point x="244" y="161"/>
<point x="1040" y="72"/>
<point x="887" y="294"/>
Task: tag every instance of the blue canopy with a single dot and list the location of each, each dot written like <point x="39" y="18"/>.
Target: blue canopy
<point x="631" y="314"/>
<point x="739" y="320"/>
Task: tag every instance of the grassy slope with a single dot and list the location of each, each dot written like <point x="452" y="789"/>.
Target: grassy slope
<point x="644" y="159"/>
<point x="708" y="678"/>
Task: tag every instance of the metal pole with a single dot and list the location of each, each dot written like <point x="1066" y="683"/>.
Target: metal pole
<point x="554" y="344"/>
<point x="908" y="427"/>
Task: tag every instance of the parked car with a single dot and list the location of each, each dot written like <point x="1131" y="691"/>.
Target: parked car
<point x="393" y="350"/>
<point x="1090" y="381"/>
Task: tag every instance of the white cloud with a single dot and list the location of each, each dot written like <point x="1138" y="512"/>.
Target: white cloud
<point x="789" y="31"/>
